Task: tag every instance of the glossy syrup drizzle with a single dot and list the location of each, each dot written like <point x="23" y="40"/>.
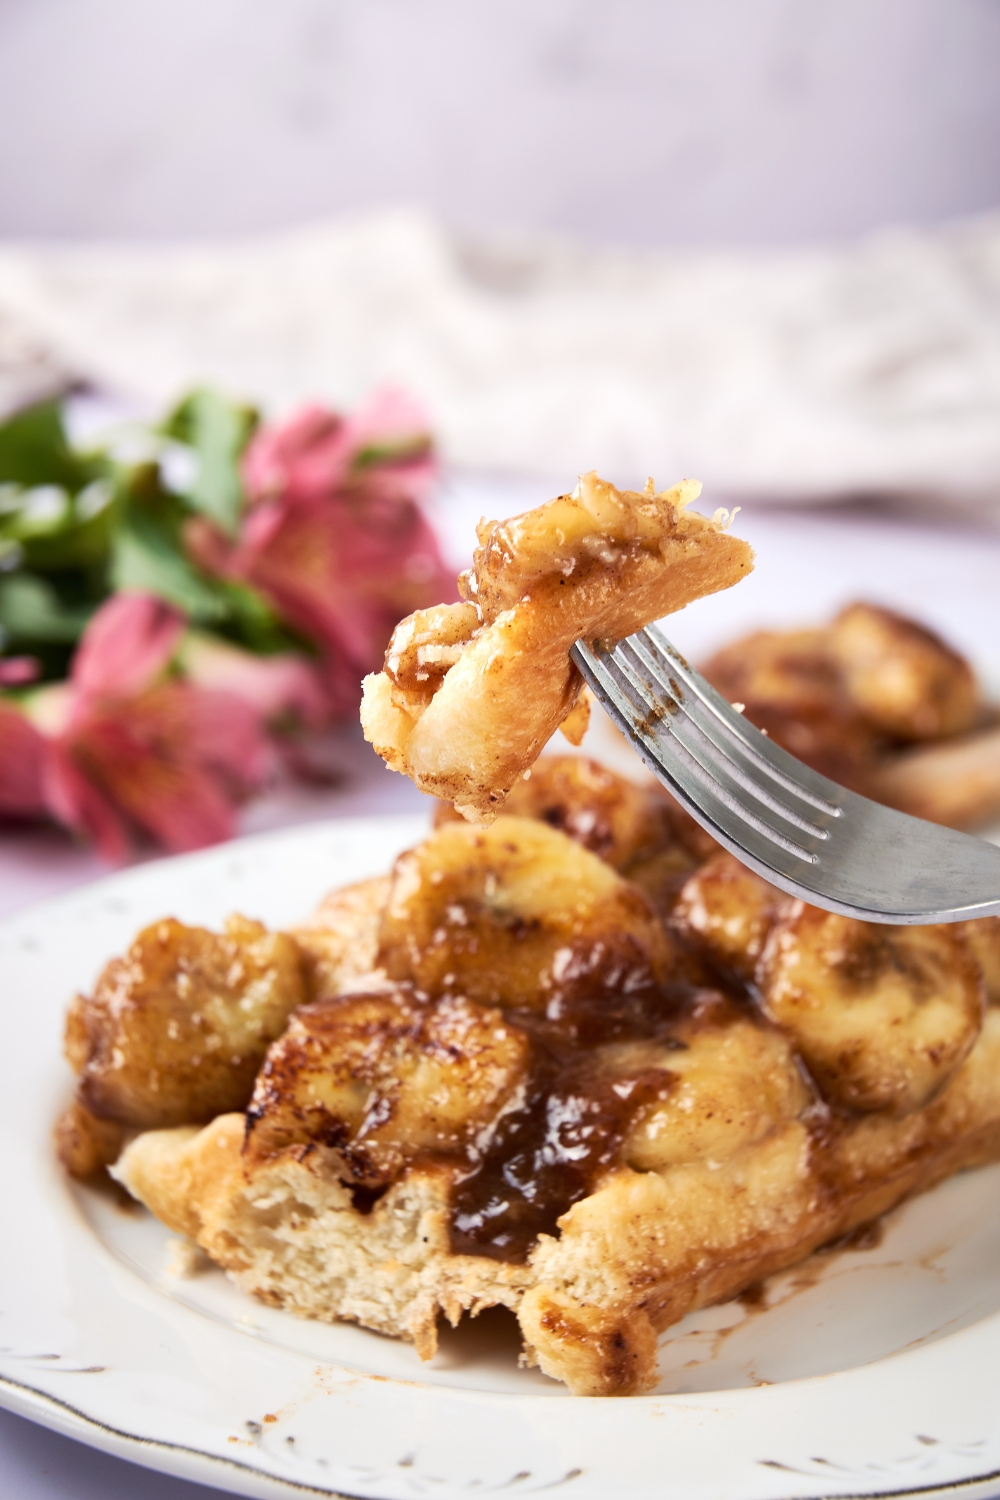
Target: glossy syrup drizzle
<point x="547" y="1154"/>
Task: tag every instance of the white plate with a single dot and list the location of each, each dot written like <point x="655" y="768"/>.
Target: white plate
<point x="872" y="1372"/>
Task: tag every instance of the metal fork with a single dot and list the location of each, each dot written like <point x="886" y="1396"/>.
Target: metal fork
<point x="798" y="829"/>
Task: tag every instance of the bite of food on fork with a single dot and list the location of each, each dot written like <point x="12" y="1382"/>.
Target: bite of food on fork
<point x="471" y="692"/>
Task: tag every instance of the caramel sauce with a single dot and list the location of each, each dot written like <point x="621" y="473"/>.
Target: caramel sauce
<point x="548" y="1153"/>
<point x="545" y="1156"/>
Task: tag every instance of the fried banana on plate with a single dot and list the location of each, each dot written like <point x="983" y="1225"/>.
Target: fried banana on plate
<point x="339" y="941"/>
<point x="175" y="1031"/>
<point x="379" y="1079"/>
<point x="882" y="1016"/>
<point x="508" y="913"/>
<point x="637" y="829"/>
<point x="730" y="911"/>
<point x="877" y="702"/>
<point x="954" y="781"/>
<point x="903" y="677"/>
<point x="983" y="938"/>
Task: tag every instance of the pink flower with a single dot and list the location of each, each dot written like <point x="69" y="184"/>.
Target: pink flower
<point x="285" y="689"/>
<point x="22" y="751"/>
<point x="15" y="671"/>
<point x="130" y="747"/>
<point x="317" y="452"/>
<point x="333" y="536"/>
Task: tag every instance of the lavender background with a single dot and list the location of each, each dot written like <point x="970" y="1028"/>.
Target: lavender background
<point x="752" y="122"/>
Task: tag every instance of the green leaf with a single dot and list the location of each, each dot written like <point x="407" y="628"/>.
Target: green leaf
<point x="146" y="556"/>
<point x="393" y="451"/>
<point x="31" y="611"/>
<point x="254" y="624"/>
<point x="55" y="531"/>
<point x="218" y="431"/>
<point x="44" y="510"/>
<point x="34" y="450"/>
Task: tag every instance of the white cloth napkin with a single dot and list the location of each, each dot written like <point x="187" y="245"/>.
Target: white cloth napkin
<point x="868" y="370"/>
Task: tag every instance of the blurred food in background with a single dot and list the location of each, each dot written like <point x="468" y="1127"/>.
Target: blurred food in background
<point x="877" y="702"/>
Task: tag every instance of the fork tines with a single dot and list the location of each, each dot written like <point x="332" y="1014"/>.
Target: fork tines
<point x="728" y="774"/>
<point x="813" y="838"/>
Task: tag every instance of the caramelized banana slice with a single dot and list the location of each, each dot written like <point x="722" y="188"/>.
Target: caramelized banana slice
<point x="424" y="648"/>
<point x="613" y="818"/>
<point x="883" y="1016"/>
<point x="638" y="830"/>
<point x="783" y="670"/>
<point x="844" y="698"/>
<point x="902" y="676"/>
<point x="730" y="910"/>
<point x="791" y="686"/>
<point x="983" y="938"/>
<point x="339" y="942"/>
<point x="505" y="914"/>
<point x="732" y="1085"/>
<point x="382" y="1078"/>
<point x="176" y="1029"/>
<point x="955" y="782"/>
<point x="85" y="1143"/>
<point x="471" y="692"/>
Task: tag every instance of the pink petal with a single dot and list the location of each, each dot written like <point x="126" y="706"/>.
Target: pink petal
<point x="258" y="529"/>
<point x="344" y="570"/>
<point x="390" y="418"/>
<point x="128" y="642"/>
<point x="15" y="671"/>
<point x="74" y="800"/>
<point x="303" y="452"/>
<point x="393" y="421"/>
<point x="207" y="546"/>
<point x="190" y="813"/>
<point x="181" y="804"/>
<point x="341" y="550"/>
<point x="174" y="761"/>
<point x="225" y="732"/>
<point x="277" y="687"/>
<point x="22" y="751"/>
<point x="312" y="454"/>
